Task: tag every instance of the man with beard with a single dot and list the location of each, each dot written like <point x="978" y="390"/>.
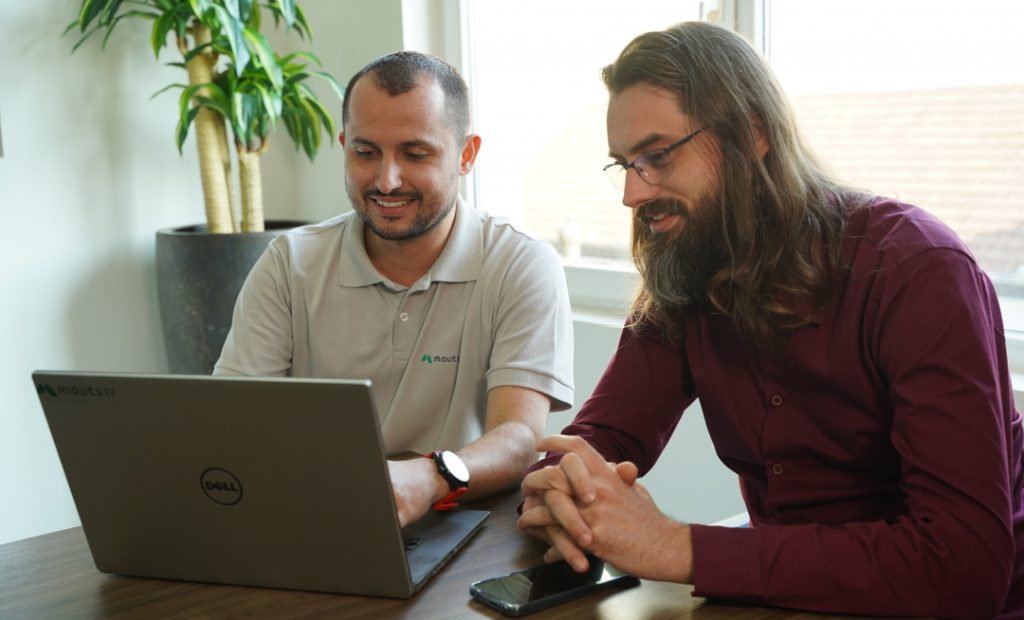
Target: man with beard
<point x="461" y="321"/>
<point x="847" y="351"/>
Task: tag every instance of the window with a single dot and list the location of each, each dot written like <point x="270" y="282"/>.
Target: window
<point x="918" y="99"/>
<point x="922" y="100"/>
<point x="540" y="108"/>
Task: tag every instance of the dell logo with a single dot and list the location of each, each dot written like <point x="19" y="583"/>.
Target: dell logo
<point x="221" y="486"/>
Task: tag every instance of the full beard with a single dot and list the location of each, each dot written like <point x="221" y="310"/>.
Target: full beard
<point x="678" y="267"/>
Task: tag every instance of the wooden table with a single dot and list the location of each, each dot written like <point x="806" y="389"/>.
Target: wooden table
<point x="53" y="577"/>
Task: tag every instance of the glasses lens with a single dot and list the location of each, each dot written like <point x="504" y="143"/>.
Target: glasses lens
<point x="655" y="166"/>
<point x="616" y="174"/>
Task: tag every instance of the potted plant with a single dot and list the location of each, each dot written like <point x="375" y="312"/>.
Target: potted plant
<point x="235" y="82"/>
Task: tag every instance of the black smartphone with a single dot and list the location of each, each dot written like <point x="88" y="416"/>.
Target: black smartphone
<point x="540" y="587"/>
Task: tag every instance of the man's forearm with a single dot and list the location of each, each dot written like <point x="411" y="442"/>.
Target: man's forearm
<point x="500" y="457"/>
<point x="498" y="460"/>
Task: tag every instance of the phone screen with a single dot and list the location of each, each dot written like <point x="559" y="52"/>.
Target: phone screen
<point x="546" y="585"/>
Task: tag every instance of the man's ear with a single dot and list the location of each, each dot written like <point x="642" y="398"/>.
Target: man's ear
<point x="761" y="137"/>
<point x="468" y="156"/>
<point x="341" y="138"/>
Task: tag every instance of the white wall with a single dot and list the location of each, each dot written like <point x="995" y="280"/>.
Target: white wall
<point x="688" y="482"/>
<point x="89" y="172"/>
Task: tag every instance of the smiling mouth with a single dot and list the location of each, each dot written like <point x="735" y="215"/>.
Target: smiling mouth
<point x="659" y="211"/>
<point x="389" y="204"/>
<point x="391" y="201"/>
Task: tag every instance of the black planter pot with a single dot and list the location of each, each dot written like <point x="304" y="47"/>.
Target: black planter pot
<point x="198" y="276"/>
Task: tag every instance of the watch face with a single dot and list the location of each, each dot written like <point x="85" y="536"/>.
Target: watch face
<point x="455" y="466"/>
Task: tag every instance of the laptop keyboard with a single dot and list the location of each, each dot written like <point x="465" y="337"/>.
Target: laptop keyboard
<point x="411" y="543"/>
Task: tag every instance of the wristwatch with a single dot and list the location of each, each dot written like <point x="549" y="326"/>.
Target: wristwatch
<point x="455" y="472"/>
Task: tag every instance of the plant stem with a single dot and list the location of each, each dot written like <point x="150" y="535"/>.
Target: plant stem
<point x="222" y="147"/>
<point x="252" y="190"/>
<point x="214" y="161"/>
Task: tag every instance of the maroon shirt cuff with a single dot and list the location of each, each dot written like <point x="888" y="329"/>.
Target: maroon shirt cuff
<point x="727" y="562"/>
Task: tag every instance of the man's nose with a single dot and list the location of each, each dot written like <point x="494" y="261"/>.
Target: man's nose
<point x="636" y="191"/>
<point x="389" y="176"/>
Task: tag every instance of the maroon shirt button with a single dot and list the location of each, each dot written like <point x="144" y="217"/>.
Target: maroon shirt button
<point x="777" y="469"/>
<point x="776" y="400"/>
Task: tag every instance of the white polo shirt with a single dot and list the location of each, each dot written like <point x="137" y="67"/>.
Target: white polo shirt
<point x="493" y="310"/>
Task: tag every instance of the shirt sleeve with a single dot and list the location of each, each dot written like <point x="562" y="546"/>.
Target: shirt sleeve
<point x="637" y="402"/>
<point x="260" y="340"/>
<point x="532" y="343"/>
<point x="933" y="329"/>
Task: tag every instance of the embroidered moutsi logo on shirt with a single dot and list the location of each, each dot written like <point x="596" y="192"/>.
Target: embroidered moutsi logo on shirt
<point x="440" y="359"/>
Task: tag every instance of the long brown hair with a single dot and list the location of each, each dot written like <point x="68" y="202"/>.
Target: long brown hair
<point x="781" y="213"/>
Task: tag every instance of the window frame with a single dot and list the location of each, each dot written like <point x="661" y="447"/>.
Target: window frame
<point x="600" y="292"/>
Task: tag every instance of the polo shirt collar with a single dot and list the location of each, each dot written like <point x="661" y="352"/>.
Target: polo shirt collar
<point x="460" y="261"/>
<point x="463" y="256"/>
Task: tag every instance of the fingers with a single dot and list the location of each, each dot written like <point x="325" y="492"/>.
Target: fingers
<point x="552" y="555"/>
<point x="575" y="445"/>
<point x="539" y="523"/>
<point x="537" y="517"/>
<point x="579" y="465"/>
<point x="557" y="509"/>
<point x="530" y="502"/>
<point x="579" y="478"/>
<point x="570" y="476"/>
<point x="627" y="471"/>
<point x="542" y="480"/>
<point x="566" y="513"/>
<point x="563" y="547"/>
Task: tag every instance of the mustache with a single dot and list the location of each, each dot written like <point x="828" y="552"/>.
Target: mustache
<point x="392" y="195"/>
<point x="659" y="207"/>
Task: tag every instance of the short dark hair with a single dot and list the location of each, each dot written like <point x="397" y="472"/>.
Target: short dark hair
<point x="399" y="72"/>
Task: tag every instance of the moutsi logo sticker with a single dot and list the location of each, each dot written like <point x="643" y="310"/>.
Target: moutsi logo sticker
<point x="64" y="390"/>
<point x="221" y="486"/>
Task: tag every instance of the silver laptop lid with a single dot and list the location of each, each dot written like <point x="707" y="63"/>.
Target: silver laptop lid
<point x="269" y="482"/>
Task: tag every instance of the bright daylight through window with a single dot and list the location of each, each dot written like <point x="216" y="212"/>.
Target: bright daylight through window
<point x="922" y="100"/>
<point x="540" y="108"/>
<point x="918" y="99"/>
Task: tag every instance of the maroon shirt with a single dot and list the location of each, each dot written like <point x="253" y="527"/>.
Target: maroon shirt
<point x="878" y="451"/>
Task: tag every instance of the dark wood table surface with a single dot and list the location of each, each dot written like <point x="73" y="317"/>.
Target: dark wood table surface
<point x="52" y="577"/>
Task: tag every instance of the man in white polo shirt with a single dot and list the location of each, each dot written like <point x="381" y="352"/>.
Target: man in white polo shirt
<point x="461" y="321"/>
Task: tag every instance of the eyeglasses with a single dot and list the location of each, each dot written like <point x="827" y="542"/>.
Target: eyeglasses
<point x="653" y="166"/>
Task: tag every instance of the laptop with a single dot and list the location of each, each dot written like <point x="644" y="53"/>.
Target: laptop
<point x="273" y="482"/>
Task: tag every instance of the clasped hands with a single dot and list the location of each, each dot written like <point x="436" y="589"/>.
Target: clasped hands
<point x="586" y="504"/>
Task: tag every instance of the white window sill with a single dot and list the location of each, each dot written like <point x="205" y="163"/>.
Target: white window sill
<point x="600" y="294"/>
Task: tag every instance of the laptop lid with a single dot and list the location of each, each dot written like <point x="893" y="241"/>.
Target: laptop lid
<point x="276" y="482"/>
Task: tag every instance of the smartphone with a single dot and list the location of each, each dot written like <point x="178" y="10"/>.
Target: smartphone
<point x="540" y="587"/>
